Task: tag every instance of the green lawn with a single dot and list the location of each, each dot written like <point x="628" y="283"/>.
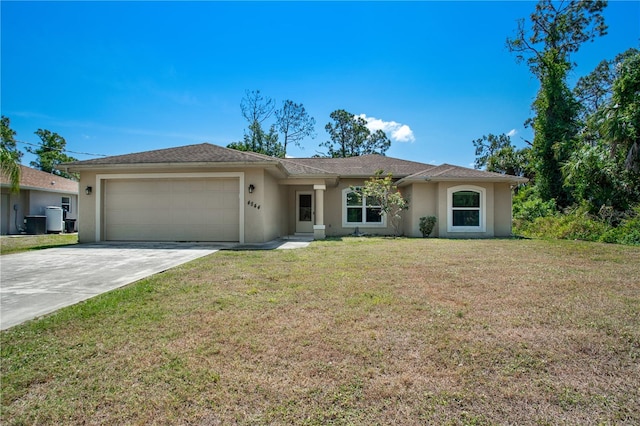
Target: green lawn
<point x="356" y="331"/>
<point x="18" y="243"/>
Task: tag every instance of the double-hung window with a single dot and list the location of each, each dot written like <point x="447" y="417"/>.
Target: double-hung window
<point x="466" y="205"/>
<point x="360" y="211"/>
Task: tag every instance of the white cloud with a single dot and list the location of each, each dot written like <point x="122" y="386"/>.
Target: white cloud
<point x="396" y="131"/>
<point x="512" y="132"/>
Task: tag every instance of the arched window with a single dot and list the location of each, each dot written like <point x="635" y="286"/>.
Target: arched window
<point x="360" y="211"/>
<point x="466" y="209"/>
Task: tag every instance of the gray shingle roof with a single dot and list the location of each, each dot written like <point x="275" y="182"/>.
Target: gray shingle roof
<point x="365" y="165"/>
<point x="201" y="153"/>
<point x="362" y="166"/>
<point x="37" y="179"/>
<point x="451" y="172"/>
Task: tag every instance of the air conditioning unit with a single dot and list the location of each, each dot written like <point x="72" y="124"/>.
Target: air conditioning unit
<point x="55" y="222"/>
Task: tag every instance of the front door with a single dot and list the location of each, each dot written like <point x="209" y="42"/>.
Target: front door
<point x="304" y="211"/>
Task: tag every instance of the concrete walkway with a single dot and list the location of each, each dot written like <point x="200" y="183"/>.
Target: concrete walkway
<point x="39" y="282"/>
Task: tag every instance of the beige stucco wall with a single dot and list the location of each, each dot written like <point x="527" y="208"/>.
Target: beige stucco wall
<point x="430" y="199"/>
<point x="502" y="209"/>
<point x="87" y="208"/>
<point x="277" y="214"/>
<point x="254" y="219"/>
<point x="423" y="201"/>
<point x="273" y="207"/>
<point x="333" y="213"/>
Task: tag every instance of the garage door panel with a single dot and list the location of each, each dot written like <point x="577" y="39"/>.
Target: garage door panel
<point x="172" y="209"/>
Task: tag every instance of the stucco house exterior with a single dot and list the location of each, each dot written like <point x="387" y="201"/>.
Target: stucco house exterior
<point x="38" y="190"/>
<point x="206" y="192"/>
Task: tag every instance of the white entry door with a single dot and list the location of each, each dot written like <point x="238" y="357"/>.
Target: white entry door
<point x="304" y="211"/>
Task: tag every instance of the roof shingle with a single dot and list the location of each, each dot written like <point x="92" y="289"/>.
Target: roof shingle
<point x="361" y="166"/>
<point x="37" y="179"/>
<point x="201" y="153"/>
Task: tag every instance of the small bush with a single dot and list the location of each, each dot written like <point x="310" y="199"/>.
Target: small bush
<point x="528" y="206"/>
<point x="628" y="232"/>
<point x="426" y="225"/>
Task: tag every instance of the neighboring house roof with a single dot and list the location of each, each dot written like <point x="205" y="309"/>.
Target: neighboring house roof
<point x="33" y="179"/>
<point x="362" y="166"/>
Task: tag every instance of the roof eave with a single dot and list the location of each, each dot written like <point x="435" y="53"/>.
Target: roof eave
<point x="38" y="188"/>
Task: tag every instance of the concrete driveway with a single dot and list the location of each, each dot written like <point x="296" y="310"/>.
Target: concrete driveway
<point x="39" y="282"/>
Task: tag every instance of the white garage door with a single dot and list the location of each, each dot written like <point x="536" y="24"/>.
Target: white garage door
<point x="190" y="209"/>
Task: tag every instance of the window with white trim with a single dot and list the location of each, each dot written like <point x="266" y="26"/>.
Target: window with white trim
<point x="360" y="211"/>
<point x="466" y="208"/>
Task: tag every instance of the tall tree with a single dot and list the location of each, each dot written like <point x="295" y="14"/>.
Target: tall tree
<point x="594" y="91"/>
<point x="558" y="29"/>
<point x="294" y="123"/>
<point x="9" y="154"/>
<point x="622" y="122"/>
<point x="260" y="142"/>
<point x="51" y="153"/>
<point x="605" y="170"/>
<point x="256" y="108"/>
<point x="350" y="136"/>
<point x="496" y="153"/>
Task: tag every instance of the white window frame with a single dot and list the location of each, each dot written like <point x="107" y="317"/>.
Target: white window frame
<point x="483" y="211"/>
<point x="345" y="224"/>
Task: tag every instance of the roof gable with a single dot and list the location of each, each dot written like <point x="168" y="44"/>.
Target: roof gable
<point x="37" y="179"/>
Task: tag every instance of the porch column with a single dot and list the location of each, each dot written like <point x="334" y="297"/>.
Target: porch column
<point x="318" y="227"/>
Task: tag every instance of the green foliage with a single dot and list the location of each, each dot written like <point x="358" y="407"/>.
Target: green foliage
<point x="9" y="154"/>
<point x="259" y="141"/>
<point x="596" y="178"/>
<point x="350" y="137"/>
<point x="557" y="30"/>
<point x="51" y="153"/>
<point x="555" y="130"/>
<point x="497" y="154"/>
<point x="384" y="193"/>
<point x="292" y="121"/>
<point x="627" y="233"/>
<point x="528" y="206"/>
<point x="579" y="224"/>
<point x="427" y="223"/>
<point x="621" y="124"/>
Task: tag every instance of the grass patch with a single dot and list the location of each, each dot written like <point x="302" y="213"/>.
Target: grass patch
<point x="357" y="331"/>
<point x="16" y="244"/>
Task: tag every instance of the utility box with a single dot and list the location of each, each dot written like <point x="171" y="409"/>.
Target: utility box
<point x="36" y="225"/>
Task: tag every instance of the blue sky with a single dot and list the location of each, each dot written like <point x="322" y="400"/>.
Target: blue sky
<point x="120" y="77"/>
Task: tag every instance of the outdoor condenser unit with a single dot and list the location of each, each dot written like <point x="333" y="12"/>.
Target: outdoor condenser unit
<point x="55" y="222"/>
